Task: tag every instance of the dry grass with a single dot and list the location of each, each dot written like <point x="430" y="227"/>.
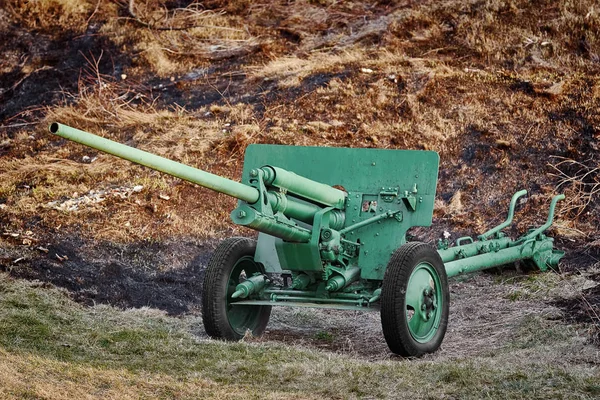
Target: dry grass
<point x="67" y="351"/>
<point x="466" y="80"/>
<point x="47" y="14"/>
<point x="29" y="376"/>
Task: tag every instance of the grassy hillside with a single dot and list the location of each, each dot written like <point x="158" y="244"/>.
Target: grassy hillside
<point x="507" y="92"/>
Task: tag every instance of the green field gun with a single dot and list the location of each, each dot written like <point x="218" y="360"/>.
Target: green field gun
<point x="332" y="226"/>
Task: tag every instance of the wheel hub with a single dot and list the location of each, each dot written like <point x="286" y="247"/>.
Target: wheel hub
<point x="428" y="303"/>
<point x="422" y="302"/>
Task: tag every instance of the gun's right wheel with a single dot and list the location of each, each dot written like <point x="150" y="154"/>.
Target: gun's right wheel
<point x="229" y="265"/>
<point x="414" y="300"/>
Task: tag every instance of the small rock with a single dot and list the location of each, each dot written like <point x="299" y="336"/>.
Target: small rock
<point x="123" y="76"/>
<point x="319" y="125"/>
<point x="503" y="143"/>
<point x="366" y="70"/>
<point x="164" y="197"/>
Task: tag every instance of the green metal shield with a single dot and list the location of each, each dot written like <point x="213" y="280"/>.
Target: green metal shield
<point x="376" y="181"/>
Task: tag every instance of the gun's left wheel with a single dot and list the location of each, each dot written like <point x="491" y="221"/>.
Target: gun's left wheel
<point x="229" y="265"/>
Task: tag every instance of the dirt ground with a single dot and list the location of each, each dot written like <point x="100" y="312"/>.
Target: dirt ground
<point x="506" y="92"/>
<point x="487" y="309"/>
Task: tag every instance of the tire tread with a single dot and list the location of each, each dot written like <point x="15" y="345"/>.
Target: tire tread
<point x="393" y="309"/>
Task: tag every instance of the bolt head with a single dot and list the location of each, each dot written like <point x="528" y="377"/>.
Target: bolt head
<point x="254" y="173"/>
<point x="423" y="307"/>
<point x="241" y="214"/>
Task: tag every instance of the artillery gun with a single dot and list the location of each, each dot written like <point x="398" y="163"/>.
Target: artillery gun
<point x="332" y="226"/>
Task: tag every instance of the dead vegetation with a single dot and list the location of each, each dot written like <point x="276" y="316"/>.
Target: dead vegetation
<point x="504" y="91"/>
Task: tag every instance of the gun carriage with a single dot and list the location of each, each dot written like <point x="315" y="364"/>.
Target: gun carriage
<point x="332" y="226"/>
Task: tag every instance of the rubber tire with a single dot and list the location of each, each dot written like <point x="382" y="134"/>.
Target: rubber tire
<point x="394" y="320"/>
<point x="214" y="295"/>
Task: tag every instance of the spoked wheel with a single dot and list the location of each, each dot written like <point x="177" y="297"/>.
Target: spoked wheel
<point x="414" y="300"/>
<point x="230" y="264"/>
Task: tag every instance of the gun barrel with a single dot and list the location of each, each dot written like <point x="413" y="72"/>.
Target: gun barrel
<point x="185" y="172"/>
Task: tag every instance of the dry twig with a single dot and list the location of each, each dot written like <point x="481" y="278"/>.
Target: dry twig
<point x="584" y="183"/>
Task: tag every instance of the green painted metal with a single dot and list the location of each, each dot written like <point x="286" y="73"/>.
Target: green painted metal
<point x="424" y="296"/>
<point x="511" y="213"/>
<point x="299" y="210"/>
<point x="393" y="190"/>
<point x="246" y="215"/>
<point x="472" y="249"/>
<point x="548" y="223"/>
<point x="489" y="253"/>
<point x="301" y="281"/>
<point x="330" y="218"/>
<point x="307" y="304"/>
<point x="494" y="259"/>
<point x="343" y="279"/>
<point x="251" y="285"/>
<point x="338" y="213"/>
<point x="297" y="257"/>
<point x="303" y="187"/>
<point x="293" y="208"/>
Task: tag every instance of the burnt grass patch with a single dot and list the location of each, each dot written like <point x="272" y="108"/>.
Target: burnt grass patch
<point x="52" y="66"/>
<point x="167" y="275"/>
<point x="584" y="309"/>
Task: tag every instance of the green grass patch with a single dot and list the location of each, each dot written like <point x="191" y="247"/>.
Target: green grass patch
<point x="44" y="324"/>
